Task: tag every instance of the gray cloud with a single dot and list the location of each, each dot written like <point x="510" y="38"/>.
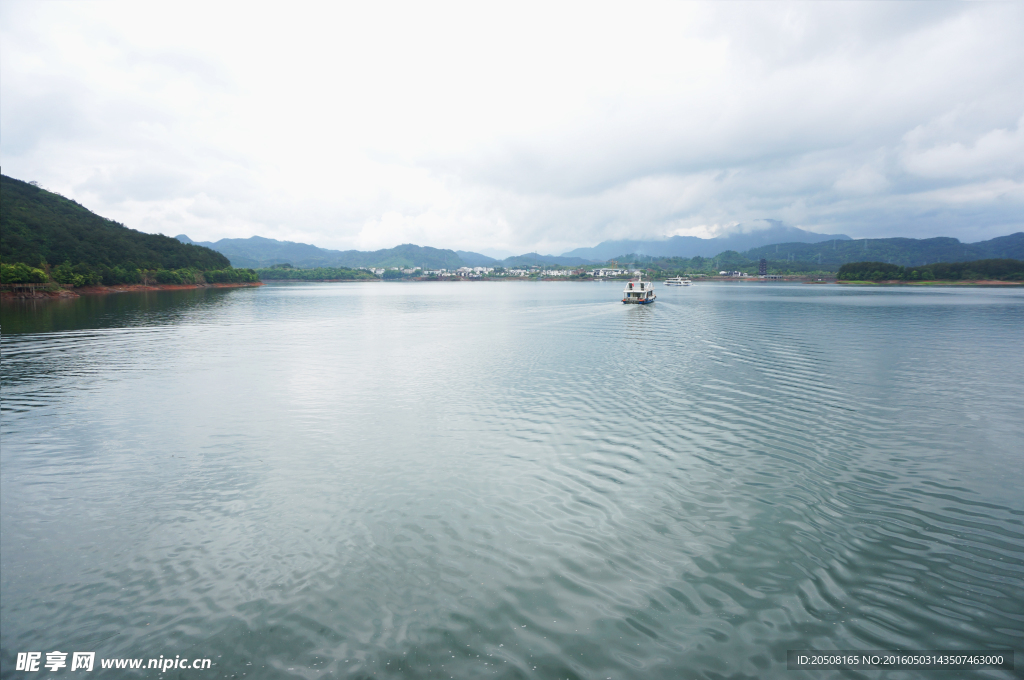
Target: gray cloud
<point x="480" y="128"/>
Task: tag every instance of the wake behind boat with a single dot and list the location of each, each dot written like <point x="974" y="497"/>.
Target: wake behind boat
<point x="677" y="281"/>
<point x="639" y="292"/>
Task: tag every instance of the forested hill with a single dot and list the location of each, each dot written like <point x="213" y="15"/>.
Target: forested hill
<point x="40" y="226"/>
<point x="978" y="270"/>
<point x="908" y="252"/>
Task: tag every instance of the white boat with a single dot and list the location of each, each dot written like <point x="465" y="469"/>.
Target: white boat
<point x="639" y="292"/>
<point x="677" y="281"/>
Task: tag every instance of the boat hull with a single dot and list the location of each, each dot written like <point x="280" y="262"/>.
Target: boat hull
<point x="638" y="301"/>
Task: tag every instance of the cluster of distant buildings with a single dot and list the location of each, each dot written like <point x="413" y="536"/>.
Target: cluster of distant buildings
<point x="464" y="272"/>
<point x="479" y="272"/>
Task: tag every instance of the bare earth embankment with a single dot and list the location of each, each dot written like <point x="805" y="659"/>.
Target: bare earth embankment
<point x="23" y="293"/>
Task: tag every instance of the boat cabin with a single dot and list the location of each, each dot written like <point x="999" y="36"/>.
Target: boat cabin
<point x="638" y="292"/>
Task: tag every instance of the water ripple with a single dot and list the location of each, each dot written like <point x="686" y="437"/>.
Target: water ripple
<point x="512" y="480"/>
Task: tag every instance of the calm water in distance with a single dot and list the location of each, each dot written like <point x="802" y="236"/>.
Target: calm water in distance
<point x="512" y="480"/>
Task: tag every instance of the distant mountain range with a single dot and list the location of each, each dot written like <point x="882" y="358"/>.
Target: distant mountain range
<point x="907" y="252"/>
<point x="39" y="225"/>
<point x="692" y="246"/>
<point x="531" y="259"/>
<point x="264" y="252"/>
<point x="259" y="252"/>
<point x="831" y="255"/>
<point x="527" y="260"/>
<point x="775" y="243"/>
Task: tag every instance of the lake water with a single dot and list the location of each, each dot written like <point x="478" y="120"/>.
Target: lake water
<point x="512" y="480"/>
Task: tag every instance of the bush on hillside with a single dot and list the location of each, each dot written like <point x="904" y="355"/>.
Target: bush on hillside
<point x="21" y="273"/>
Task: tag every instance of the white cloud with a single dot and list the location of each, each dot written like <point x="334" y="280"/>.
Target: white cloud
<point x="996" y="152"/>
<point x="518" y="127"/>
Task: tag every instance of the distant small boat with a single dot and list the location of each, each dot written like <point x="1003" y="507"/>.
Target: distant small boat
<point x="677" y="281"/>
<point x="639" y="292"/>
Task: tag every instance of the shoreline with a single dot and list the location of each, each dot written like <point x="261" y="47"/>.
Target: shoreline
<point x="937" y="282"/>
<point x="319" y="281"/>
<point x="65" y="293"/>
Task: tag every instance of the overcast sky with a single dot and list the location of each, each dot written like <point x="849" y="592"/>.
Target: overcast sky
<point x="520" y="127"/>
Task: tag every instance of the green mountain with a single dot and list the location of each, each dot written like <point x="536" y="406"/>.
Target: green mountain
<point x="907" y="252"/>
<point x="40" y="226"/>
<point x="266" y="252"/>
